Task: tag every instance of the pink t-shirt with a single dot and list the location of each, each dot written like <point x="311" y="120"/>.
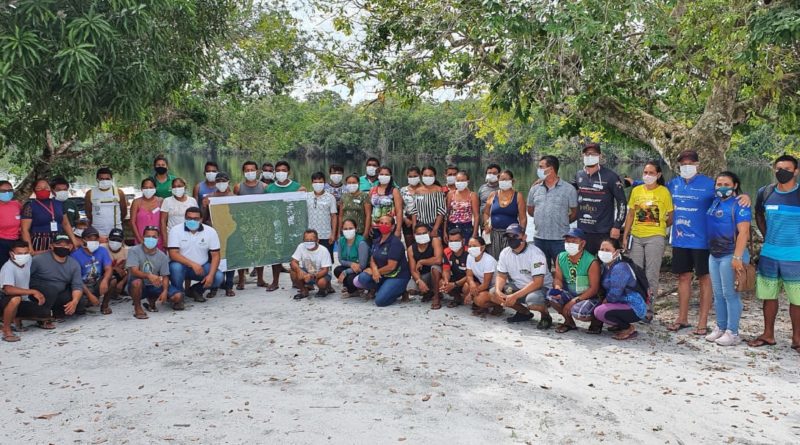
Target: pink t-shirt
<point x="9" y="219"/>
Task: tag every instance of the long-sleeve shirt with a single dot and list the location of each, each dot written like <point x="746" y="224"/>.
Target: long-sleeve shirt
<point x="619" y="283"/>
<point x="346" y="257"/>
<point x="602" y="205"/>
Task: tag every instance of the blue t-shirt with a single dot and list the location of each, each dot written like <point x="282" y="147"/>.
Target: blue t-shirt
<point x="721" y="221"/>
<point x="691" y="200"/>
<point x="42" y="213"/>
<point x="391" y="249"/>
<point x="92" y="265"/>
<point x="782" y="212"/>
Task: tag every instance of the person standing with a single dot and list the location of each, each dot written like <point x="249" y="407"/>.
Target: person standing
<point x="463" y="205"/>
<point x="106" y="205"/>
<point x="173" y="208"/>
<point x="250" y="186"/>
<point x="450" y="178"/>
<point x="370" y="179"/>
<point x="10" y="211"/>
<point x="42" y="218"/>
<point x="209" y="183"/>
<point x="384" y="199"/>
<point x="146" y="211"/>
<point x="429" y="206"/>
<point x="162" y="178"/>
<point x="267" y="173"/>
<point x="778" y="219"/>
<point x="322" y="212"/>
<point x="492" y="185"/>
<point x="60" y="187"/>
<point x="222" y="187"/>
<point x="353" y="206"/>
<point x="602" y="206"/>
<point x="282" y="184"/>
<point x="506" y="207"/>
<point x="335" y="186"/>
<point x="409" y="195"/>
<point x="553" y="204"/>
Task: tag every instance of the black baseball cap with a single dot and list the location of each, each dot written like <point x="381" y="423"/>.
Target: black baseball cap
<point x="690" y="155"/>
<point x="593" y="145"/>
<point x="116" y="235"/>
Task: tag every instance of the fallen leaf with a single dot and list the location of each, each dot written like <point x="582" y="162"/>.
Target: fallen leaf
<point x="426" y="398"/>
<point x="47" y="416"/>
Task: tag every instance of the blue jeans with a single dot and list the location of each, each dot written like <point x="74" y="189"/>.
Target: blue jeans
<point x="551" y="248"/>
<point x="178" y="273"/>
<point x="389" y="289"/>
<point x="727" y="303"/>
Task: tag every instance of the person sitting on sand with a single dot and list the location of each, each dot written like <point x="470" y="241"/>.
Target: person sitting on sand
<point x="388" y="271"/>
<point x="522" y="279"/>
<point x="454" y="267"/>
<point x="576" y="282"/>
<point x="194" y="254"/>
<point x="149" y="275"/>
<point x="17" y="299"/>
<point x="353" y="256"/>
<point x="58" y="277"/>
<point x="480" y="278"/>
<point x="311" y="265"/>
<point x="95" y="262"/>
<point x="425" y="263"/>
<point x="622" y="305"/>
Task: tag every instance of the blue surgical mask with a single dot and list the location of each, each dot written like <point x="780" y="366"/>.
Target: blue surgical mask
<point x="724" y="192"/>
<point x="540" y="172"/>
<point x="6" y="196"/>
<point x="150" y="242"/>
<point x="192" y="224"/>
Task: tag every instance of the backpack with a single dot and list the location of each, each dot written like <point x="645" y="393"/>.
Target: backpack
<point x="642" y="285"/>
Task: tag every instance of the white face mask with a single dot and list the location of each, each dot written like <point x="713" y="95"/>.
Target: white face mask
<point x="505" y="185"/>
<point x="572" y="248"/>
<point x="222" y="186"/>
<point x="78" y="232"/>
<point x="413" y="181"/>
<point x="22" y="259"/>
<point x="688" y="171"/>
<point x="336" y="178"/>
<point x="211" y="176"/>
<point x="371" y="170"/>
<point x="349" y="233"/>
<point x="115" y="245"/>
<point x="649" y="179"/>
<point x="474" y="251"/>
<point x="352" y="188"/>
<point x="309" y="245"/>
<point x="269" y="176"/>
<point x="428" y="180"/>
<point x="178" y="191"/>
<point x="384" y="179"/>
<point x="491" y="177"/>
<point x="591" y="160"/>
<point x="318" y="187"/>
<point x="461" y="185"/>
<point x="92" y="245"/>
<point x="62" y="195"/>
<point x="250" y="176"/>
<point x="148" y="193"/>
<point x="605" y="257"/>
<point x="422" y="239"/>
<point x="281" y="176"/>
<point x="451" y="180"/>
<point x="455" y="246"/>
<point x="104" y="184"/>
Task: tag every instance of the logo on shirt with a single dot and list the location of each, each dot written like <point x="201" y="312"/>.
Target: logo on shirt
<point x="537" y="265"/>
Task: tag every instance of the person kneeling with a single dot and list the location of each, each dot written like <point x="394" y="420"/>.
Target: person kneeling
<point x="149" y="276"/>
<point x="95" y="262"/>
<point x="454" y="265"/>
<point x="17" y="299"/>
<point x="190" y="247"/>
<point x="425" y="263"/>
<point x="353" y="257"/>
<point x="623" y="305"/>
<point x="576" y="282"/>
<point x="480" y="278"/>
<point x="310" y="265"/>
<point x="388" y="272"/>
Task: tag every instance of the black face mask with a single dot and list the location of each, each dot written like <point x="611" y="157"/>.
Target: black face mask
<point x="514" y="243"/>
<point x="161" y="170"/>
<point x="63" y="252"/>
<point x="783" y="176"/>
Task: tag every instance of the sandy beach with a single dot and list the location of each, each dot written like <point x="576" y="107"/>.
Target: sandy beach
<point x="262" y="368"/>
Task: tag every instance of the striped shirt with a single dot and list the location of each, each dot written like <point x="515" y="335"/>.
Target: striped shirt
<point x="428" y="206"/>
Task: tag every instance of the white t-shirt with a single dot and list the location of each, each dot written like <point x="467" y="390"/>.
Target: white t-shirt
<point x="320" y="209"/>
<point x="312" y="260"/>
<point x="194" y="246"/>
<point x="176" y="210"/>
<point x="13" y="275"/>
<point x="521" y="268"/>
<point x="487" y="264"/>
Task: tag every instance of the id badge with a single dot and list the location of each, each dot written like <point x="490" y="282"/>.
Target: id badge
<point x="53" y="226"/>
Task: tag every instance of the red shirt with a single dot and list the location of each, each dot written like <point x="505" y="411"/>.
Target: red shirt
<point x="9" y="219"/>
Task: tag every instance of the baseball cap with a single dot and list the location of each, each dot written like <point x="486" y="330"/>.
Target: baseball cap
<point x="62" y="237"/>
<point x="688" y="154"/>
<point x="116" y="235"/>
<point x="593" y="145"/>
<point x="222" y="177"/>
<point x="514" y="229"/>
<point x="575" y="233"/>
<point x="89" y="231"/>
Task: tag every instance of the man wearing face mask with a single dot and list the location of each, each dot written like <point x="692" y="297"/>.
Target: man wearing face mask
<point x="522" y="279"/>
<point x="335" y="185"/>
<point x="119" y="256"/>
<point x="209" y="183"/>
<point x="58" y="277"/>
<point x="491" y="185"/>
<point x="454" y="268"/>
<point x="10" y="217"/>
<point x="17" y="299"/>
<point x="60" y="188"/>
<point x="267" y="173"/>
<point x="222" y="187"/>
<point x="250" y="186"/>
<point x="149" y="270"/>
<point x="602" y="205"/>
<point x="777" y="212"/>
<point x="106" y="206"/>
<point x="370" y="179"/>
<point x="322" y="212"/>
<point x="553" y="204"/>
<point x="450" y="179"/>
<point x="283" y="183"/>
<point x="311" y="265"/>
<point x="194" y="255"/>
<point x="96" y="271"/>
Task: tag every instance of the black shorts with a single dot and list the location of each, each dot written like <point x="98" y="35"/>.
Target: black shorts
<point x="690" y="260"/>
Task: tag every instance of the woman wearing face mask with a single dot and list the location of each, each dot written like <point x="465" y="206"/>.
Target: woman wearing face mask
<point x="10" y="210"/>
<point x="504" y="207"/>
<point x="480" y="278"/>
<point x="463" y="205"/>
<point x="409" y="193"/>
<point x="728" y="228"/>
<point x="163" y="178"/>
<point x="173" y="209"/>
<point x="429" y="205"/>
<point x="649" y="216"/>
<point x="576" y="282"/>
<point x="384" y="199"/>
<point x="43" y="218"/>
<point x="146" y="211"/>
<point x="353" y="256"/>
<point x="388" y="271"/>
<point x="425" y="263"/>
<point x="622" y="305"/>
<point x="353" y="206"/>
<point x="222" y="188"/>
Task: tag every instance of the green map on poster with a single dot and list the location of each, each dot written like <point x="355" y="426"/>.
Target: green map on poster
<point x="258" y="230"/>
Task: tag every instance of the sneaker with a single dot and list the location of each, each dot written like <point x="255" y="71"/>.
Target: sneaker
<point x="715" y="334"/>
<point x="728" y="339"/>
<point x="516" y="318"/>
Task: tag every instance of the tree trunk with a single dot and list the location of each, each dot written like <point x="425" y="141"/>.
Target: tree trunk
<point x="42" y="168"/>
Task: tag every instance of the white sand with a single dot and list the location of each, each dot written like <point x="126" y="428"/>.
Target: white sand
<point x="262" y="368"/>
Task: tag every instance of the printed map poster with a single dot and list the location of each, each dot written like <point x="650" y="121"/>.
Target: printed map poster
<point x="258" y="230"/>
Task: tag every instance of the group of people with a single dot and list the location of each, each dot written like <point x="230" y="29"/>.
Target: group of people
<point x="595" y="256"/>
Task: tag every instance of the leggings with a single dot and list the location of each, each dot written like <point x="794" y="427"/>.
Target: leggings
<point x="616" y="314"/>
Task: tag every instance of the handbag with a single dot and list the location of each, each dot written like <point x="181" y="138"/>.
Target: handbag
<point x="745" y="280"/>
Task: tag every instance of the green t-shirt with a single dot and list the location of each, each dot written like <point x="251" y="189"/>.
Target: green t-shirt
<point x="292" y="186"/>
<point x="71" y="210"/>
<point x="164" y="189"/>
<point x="575" y="276"/>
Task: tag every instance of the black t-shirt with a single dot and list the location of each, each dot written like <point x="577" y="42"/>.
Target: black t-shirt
<point x="599" y="195"/>
<point x="457" y="263"/>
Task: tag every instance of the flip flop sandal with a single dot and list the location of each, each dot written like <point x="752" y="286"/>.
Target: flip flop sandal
<point x="19" y="328"/>
<point x="230" y="293"/>
<point x="141" y="316"/>
<point x="11" y="338"/>
<point x="759" y="342"/>
<point x="700" y="331"/>
<point x="564" y="328"/>
<point x="272" y="288"/>
<point x="105" y="310"/>
<point x="630" y="336"/>
<point x="262" y="284"/>
<point x="179" y="306"/>
<point x="676" y="327"/>
<point x="47" y="325"/>
<point x="453" y="303"/>
<point x="240" y="287"/>
<point x="436" y="306"/>
<point x="299" y="296"/>
<point x="150" y="305"/>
